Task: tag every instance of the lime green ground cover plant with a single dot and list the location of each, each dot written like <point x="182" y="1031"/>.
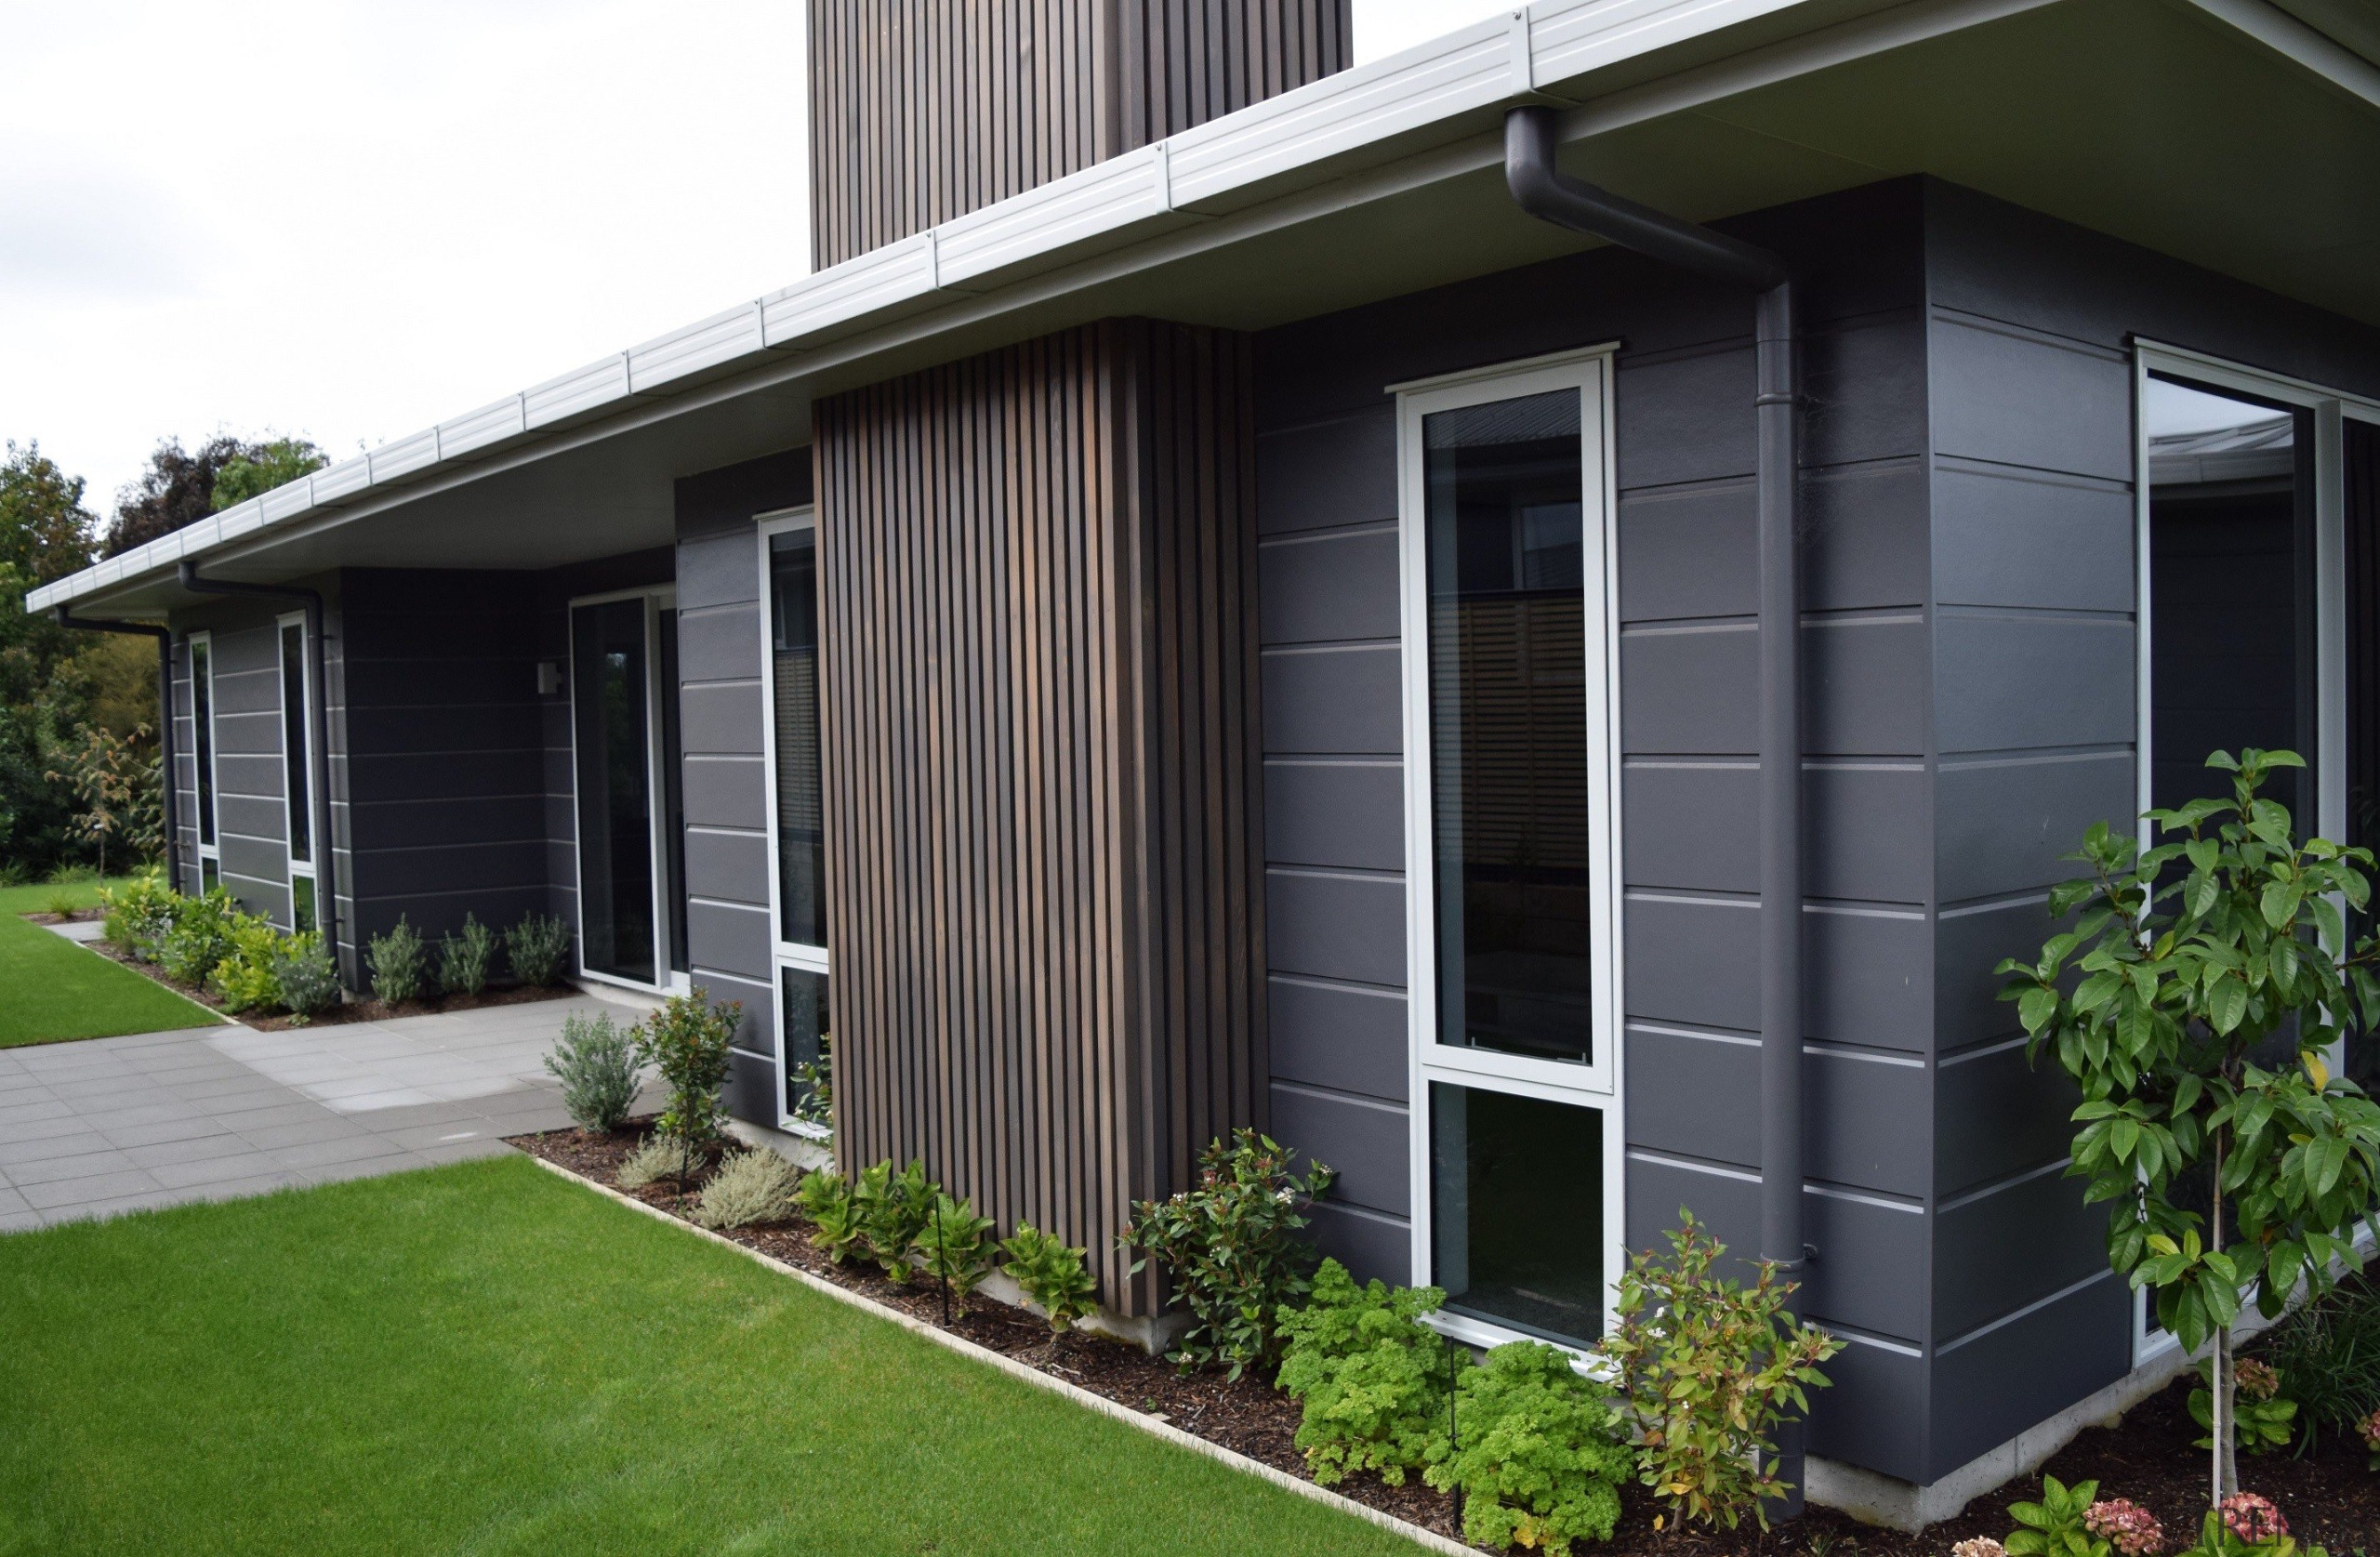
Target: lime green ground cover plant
<point x="1370" y="1376"/>
<point x="2192" y="1002"/>
<point x="484" y="1358"/>
<point x="1052" y="1273"/>
<point x="52" y="991"/>
<point x="1541" y="1453"/>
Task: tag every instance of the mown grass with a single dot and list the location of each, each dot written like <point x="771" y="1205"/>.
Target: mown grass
<point x="52" y="990"/>
<point x="485" y="1359"/>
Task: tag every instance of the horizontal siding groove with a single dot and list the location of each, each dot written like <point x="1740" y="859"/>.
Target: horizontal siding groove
<point x="720" y="681"/>
<point x="1333" y="646"/>
<point x="2032" y="613"/>
<point x="1905" y="1205"/>
<point x="1946" y="1348"/>
<point x="2004" y="1182"/>
<point x="251" y="838"/>
<point x="1864" y="908"/>
<point x="1368" y="1213"/>
<point x="1962" y="907"/>
<point x="1663" y="761"/>
<point x="716" y="829"/>
<point x="2019" y="757"/>
<point x="1898" y="1345"/>
<point x="1682" y="627"/>
<point x="1333" y="873"/>
<point x="1982" y="1049"/>
<point x="1945" y="313"/>
<point x="1742" y="1172"/>
<point x="1339" y="1094"/>
<point x="1970" y="466"/>
<point x="1835" y="1048"/>
<point x="1741" y="1037"/>
<point x="701" y="970"/>
<point x="740" y="906"/>
<point x="1363" y="413"/>
<point x="1679" y="894"/>
<point x="1326" y="534"/>
<point x="1328" y="759"/>
<point x="742" y="757"/>
<point x="741" y="605"/>
<point x="1351" y="986"/>
<point x="1713" y="345"/>
<point x="1865" y="616"/>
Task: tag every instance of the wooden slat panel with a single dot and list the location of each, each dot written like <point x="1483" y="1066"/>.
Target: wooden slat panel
<point x="922" y="110"/>
<point x="1039" y="677"/>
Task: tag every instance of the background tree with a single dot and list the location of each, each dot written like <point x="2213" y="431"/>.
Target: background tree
<point x="184" y="486"/>
<point x="2213" y="974"/>
<point x="45" y="694"/>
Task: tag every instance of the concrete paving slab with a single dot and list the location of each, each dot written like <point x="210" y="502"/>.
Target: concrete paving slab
<point x="159" y="1132"/>
<point x="63" y="1193"/>
<point x="305" y="1133"/>
<point x="311" y="1154"/>
<point x="82" y="1165"/>
<point x="224" y="1145"/>
<point x="216" y="1171"/>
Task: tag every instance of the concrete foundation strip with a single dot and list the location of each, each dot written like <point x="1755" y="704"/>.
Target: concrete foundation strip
<point x="1076" y="1392"/>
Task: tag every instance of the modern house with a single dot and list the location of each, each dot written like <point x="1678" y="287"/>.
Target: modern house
<point x="1236" y="592"/>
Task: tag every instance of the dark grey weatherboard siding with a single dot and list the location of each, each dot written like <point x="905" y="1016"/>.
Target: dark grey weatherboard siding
<point x="722" y="707"/>
<point x="252" y="830"/>
<point x="2029" y="326"/>
<point x="1334" y="824"/>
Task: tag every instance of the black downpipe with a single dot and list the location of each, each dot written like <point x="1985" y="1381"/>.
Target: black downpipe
<point x="1530" y="138"/>
<point x="165" y="637"/>
<point x="318" y="717"/>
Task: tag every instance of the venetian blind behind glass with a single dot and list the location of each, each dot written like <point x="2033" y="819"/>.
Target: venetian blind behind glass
<point x="793" y="640"/>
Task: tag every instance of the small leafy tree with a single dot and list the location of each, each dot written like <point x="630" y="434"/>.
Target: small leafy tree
<point x="2192" y="1002"/>
<point x="1231" y="1245"/>
<point x="116" y="781"/>
<point x="686" y="1041"/>
<point x="1712" y="1367"/>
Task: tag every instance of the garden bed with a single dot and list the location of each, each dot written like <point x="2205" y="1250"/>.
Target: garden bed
<point x="349" y="1011"/>
<point x="2329" y="1496"/>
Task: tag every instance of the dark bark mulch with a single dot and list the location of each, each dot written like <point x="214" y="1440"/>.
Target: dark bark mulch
<point x="80" y="916"/>
<point x="349" y="1011"/>
<point x="2329" y="1496"/>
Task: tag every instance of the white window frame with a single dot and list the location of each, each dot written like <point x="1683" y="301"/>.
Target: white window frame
<point x="1597" y="1085"/>
<point x="295" y="867"/>
<point x="798" y="956"/>
<point x="656" y="597"/>
<point x="207" y="788"/>
<point x="2330" y="409"/>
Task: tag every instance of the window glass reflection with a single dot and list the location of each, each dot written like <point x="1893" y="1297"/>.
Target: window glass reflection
<point x="1516" y="1210"/>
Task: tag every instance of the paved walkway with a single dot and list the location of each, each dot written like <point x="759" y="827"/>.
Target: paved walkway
<point x="108" y="1125"/>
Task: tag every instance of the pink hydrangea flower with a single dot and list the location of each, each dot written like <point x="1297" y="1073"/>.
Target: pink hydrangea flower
<point x="2126" y="1526"/>
<point x="2253" y="1519"/>
<point x="2370" y="1429"/>
<point x="2256" y="1380"/>
<point x="1981" y="1546"/>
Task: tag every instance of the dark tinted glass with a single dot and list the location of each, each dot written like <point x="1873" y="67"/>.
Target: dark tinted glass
<point x="301" y="904"/>
<point x="615" y="789"/>
<point x="793" y="641"/>
<point x="202" y="693"/>
<point x="673" y="798"/>
<point x="2362" y="450"/>
<point x="293" y="740"/>
<point x="806" y="1030"/>
<point x="1516" y="1210"/>
<point x="1508" y="726"/>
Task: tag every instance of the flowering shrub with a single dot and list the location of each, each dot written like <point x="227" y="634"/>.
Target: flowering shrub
<point x="1231" y="1245"/>
<point x="1979" y="1546"/>
<point x="2369" y="1430"/>
<point x="2126" y="1526"/>
<point x="2263" y="1418"/>
<point x="2253" y="1519"/>
<point x="1710" y="1366"/>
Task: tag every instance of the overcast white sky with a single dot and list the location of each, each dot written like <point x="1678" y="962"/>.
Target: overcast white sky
<point x="348" y="220"/>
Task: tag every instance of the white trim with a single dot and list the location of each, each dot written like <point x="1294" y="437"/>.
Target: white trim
<point x="783" y="953"/>
<point x="207" y="788"/>
<point x="293" y="866"/>
<point x="1595" y="1085"/>
<point x="657" y="597"/>
<point x="2328" y="408"/>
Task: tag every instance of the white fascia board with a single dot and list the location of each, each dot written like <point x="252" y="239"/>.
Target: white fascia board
<point x="286" y="501"/>
<point x="2316" y="53"/>
<point x="498" y="421"/>
<point x="679" y="359"/>
<point x="1152" y="197"/>
<point x="573" y="394"/>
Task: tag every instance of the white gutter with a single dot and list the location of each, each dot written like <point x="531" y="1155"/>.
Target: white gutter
<point x="1320" y="134"/>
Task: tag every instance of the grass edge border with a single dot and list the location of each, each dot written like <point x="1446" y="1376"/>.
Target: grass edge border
<point x="1081" y="1396"/>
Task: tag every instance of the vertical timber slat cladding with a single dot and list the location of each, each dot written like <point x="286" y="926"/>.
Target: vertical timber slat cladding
<point x="1038" y="577"/>
<point x="925" y="110"/>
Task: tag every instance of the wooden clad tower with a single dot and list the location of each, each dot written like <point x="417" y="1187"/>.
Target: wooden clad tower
<point x="925" y="110"/>
<point x="1038" y="595"/>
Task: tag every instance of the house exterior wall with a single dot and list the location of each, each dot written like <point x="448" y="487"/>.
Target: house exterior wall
<point x="252" y="824"/>
<point x="922" y="113"/>
<point x="1334" y="822"/>
<point x="722" y="710"/>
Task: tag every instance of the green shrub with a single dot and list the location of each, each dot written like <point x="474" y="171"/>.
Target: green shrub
<point x="73" y="875"/>
<point x="1230" y="1245"/>
<point x="464" y="959"/>
<point x="308" y="979"/>
<point x="1710" y="1367"/>
<point x="246" y="976"/>
<point x="827" y="1200"/>
<point x="1541" y="1454"/>
<point x="817" y="1080"/>
<point x="62" y="905"/>
<point x="539" y="947"/>
<point x="2263" y="1416"/>
<point x="140" y="913"/>
<point x="1051" y="1273"/>
<point x="892" y="1208"/>
<point x="657" y="1156"/>
<point x="2057" y="1525"/>
<point x="755" y="1185"/>
<point x="400" y="964"/>
<point x="199" y="938"/>
<point x="2246" y="1525"/>
<point x="955" y="1244"/>
<point x="596" y="1064"/>
<point x="2329" y="1351"/>
<point x="686" y="1041"/>
<point x="1372" y="1377"/>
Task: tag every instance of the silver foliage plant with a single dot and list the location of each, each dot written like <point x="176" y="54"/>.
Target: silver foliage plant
<point x="755" y="1185"/>
<point x="595" y="1061"/>
<point x="658" y="1157"/>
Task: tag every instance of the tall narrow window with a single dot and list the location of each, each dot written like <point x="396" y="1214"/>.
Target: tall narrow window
<point x="797" y="814"/>
<point x="611" y="687"/>
<point x="202" y="707"/>
<point x="1513" y="898"/>
<point x="296" y="772"/>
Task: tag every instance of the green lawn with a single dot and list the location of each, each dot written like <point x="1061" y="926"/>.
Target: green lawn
<point x="51" y="989"/>
<point x="487" y="1359"/>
